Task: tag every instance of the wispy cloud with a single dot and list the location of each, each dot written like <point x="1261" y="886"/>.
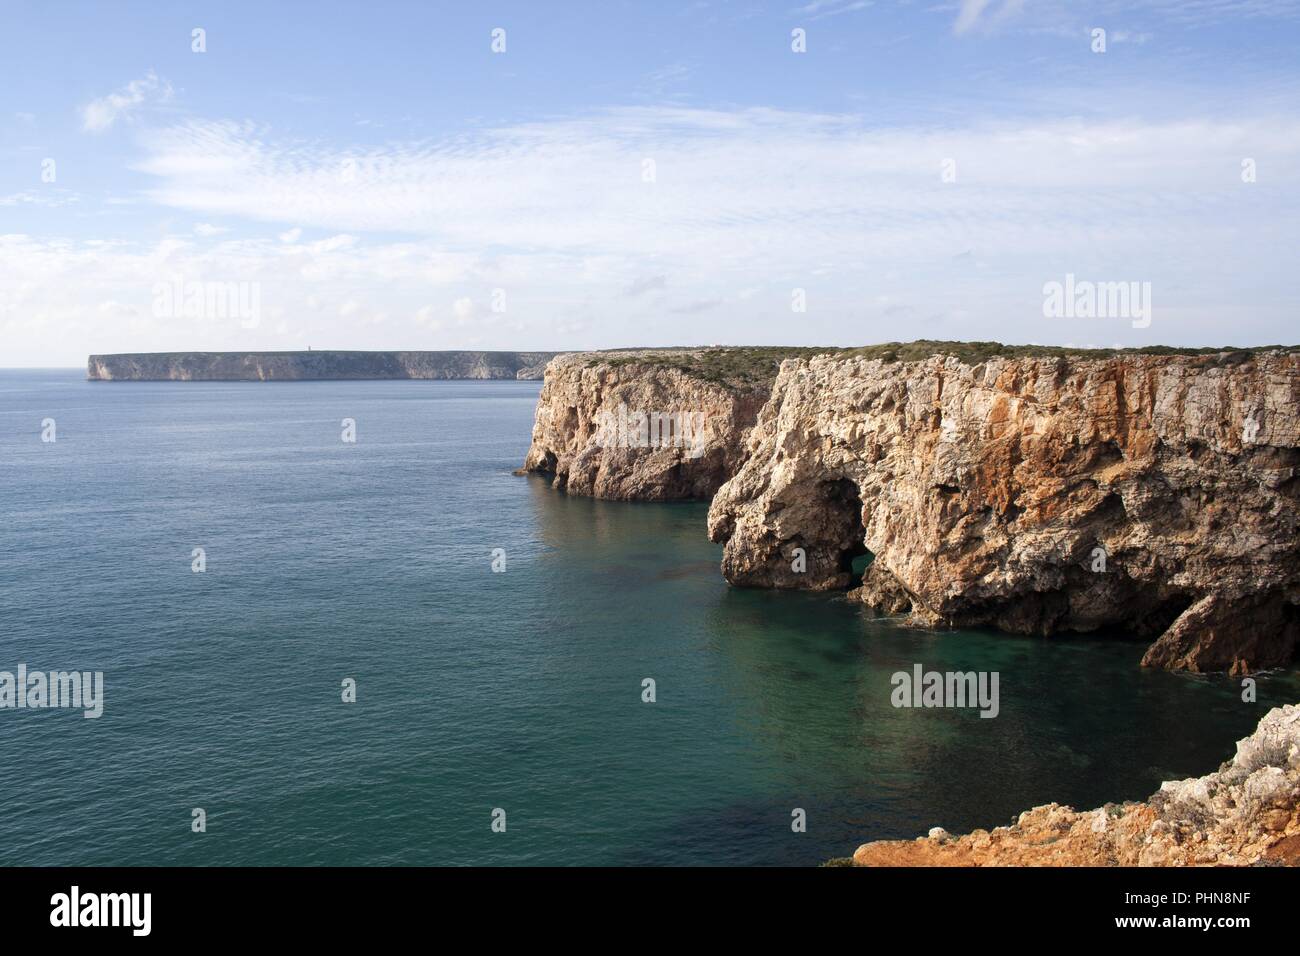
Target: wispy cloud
<point x="1060" y="17"/>
<point x="666" y="83"/>
<point x="823" y="9"/>
<point x="1199" y="12"/>
<point x="972" y="13"/>
<point x="722" y="180"/>
<point x="968" y="14"/>
<point x="744" y="206"/>
<point x="643" y="285"/>
<point x="698" y="306"/>
<point x="99" y="115"/>
<point x="45" y="197"/>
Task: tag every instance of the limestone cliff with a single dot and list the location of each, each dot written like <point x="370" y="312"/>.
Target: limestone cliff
<point x="632" y="425"/>
<point x="1248" y="812"/>
<point x="1156" y="494"/>
<point x="303" y="366"/>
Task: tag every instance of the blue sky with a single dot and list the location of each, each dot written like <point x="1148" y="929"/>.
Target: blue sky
<point x="383" y="179"/>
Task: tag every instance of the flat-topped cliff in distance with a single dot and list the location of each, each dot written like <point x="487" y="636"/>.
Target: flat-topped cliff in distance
<point x="309" y="365"/>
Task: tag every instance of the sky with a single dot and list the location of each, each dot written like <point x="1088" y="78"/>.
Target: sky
<point x="559" y="176"/>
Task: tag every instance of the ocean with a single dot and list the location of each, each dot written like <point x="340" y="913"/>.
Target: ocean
<point x="499" y="635"/>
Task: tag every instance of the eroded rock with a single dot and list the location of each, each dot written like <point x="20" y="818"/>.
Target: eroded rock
<point x="583" y="394"/>
<point x="1153" y="493"/>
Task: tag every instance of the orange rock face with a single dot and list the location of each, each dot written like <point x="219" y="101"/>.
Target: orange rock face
<point x="1159" y="494"/>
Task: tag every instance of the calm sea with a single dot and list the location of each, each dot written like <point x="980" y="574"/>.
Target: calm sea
<point x="476" y="690"/>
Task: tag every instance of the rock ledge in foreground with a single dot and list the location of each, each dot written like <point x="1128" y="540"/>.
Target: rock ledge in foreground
<point x="1246" y="813"/>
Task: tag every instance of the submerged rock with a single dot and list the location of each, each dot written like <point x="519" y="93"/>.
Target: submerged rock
<point x="880" y="590"/>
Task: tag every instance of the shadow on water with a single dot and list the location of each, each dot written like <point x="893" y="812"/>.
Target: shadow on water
<point x="802" y="713"/>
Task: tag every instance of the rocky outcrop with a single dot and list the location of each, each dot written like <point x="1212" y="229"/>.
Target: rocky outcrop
<point x="1248" y="812"/>
<point x="881" y="590"/>
<point x="303" y="366"/>
<point x="628" y="425"/>
<point x="1157" y="494"/>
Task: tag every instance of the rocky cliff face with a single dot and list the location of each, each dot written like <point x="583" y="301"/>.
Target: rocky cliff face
<point x="1246" y="813"/>
<point x="1152" y="493"/>
<point x="302" y="366"/>
<point x="623" y="425"/>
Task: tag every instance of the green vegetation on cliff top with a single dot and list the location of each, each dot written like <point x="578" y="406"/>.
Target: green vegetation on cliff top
<point x="750" y="367"/>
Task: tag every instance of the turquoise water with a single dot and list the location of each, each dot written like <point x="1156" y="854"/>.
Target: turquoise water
<point x="477" y="690"/>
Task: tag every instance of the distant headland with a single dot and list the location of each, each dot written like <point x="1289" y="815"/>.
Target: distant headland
<point x="313" y="365"/>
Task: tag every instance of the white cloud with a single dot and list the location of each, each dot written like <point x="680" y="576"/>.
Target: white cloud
<point x="334" y="243"/>
<point x="48" y="196"/>
<point x="821" y="9"/>
<point x="968" y="14"/>
<point x="1127" y="36"/>
<point x="753" y="190"/>
<point x="640" y="286"/>
<point x="971" y="13"/>
<point x="746" y="206"/>
<point x="1070" y="20"/>
<point x="98" y="115"/>
<point x="1204" y="12"/>
<point x="463" y="308"/>
<point x="700" y="305"/>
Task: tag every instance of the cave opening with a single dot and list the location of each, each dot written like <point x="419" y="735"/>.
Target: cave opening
<point x="1291" y="627"/>
<point x="845" y="502"/>
<point x="1158" y="617"/>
